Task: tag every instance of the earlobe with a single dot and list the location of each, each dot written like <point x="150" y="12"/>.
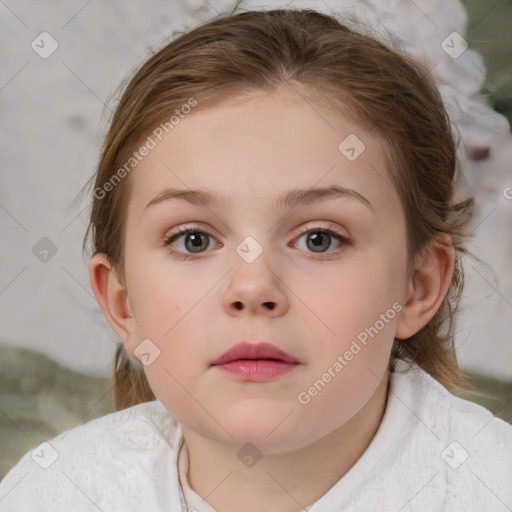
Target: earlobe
<point x="427" y="288"/>
<point x="112" y="297"/>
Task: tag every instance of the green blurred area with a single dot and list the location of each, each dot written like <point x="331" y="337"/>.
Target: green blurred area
<point x="489" y="32"/>
<point x="39" y="399"/>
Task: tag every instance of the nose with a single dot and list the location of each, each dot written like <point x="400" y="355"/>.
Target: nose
<point x="255" y="288"/>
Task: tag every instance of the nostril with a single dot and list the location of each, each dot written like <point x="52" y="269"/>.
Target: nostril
<point x="270" y="305"/>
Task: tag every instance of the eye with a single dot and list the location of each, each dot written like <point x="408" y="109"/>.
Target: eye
<point x="191" y="240"/>
<point x="319" y="240"/>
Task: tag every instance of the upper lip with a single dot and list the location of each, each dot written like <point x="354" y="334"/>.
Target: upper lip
<point x="246" y="350"/>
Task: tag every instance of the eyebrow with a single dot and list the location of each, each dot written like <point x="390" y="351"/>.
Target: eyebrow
<point x="290" y="199"/>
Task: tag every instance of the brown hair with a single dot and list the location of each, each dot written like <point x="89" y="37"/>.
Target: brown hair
<point x="335" y="66"/>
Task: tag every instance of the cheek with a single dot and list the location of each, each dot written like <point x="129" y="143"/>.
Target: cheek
<point x="354" y="297"/>
<point x="358" y="309"/>
<point x="160" y="298"/>
<point x="168" y="310"/>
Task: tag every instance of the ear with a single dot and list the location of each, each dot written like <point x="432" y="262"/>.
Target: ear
<point x="427" y="288"/>
<point x="112" y="297"/>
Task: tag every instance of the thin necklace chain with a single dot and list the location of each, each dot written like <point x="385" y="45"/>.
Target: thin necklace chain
<point x="184" y="505"/>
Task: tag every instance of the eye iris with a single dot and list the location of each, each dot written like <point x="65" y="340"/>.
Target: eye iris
<point x="319" y="240"/>
<point x="195" y="238"/>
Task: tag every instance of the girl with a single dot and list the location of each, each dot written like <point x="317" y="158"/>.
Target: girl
<point x="276" y="245"/>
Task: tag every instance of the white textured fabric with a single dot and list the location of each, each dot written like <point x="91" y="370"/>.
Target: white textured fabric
<point x="432" y="452"/>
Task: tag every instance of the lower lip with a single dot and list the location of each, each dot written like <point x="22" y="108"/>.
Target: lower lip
<point x="256" y="370"/>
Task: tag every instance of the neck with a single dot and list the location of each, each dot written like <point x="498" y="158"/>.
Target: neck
<point x="286" y="482"/>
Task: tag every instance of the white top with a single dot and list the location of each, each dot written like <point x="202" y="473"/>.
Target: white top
<point x="432" y="452"/>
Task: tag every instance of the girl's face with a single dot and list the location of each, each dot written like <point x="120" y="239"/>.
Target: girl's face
<point x="259" y="269"/>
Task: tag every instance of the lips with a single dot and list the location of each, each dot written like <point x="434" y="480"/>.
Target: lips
<point x="250" y="351"/>
<point x="260" y="362"/>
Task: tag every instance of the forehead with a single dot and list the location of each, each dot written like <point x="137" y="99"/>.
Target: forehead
<point x="257" y="146"/>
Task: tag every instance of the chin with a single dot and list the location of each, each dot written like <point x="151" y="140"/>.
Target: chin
<point x="271" y="429"/>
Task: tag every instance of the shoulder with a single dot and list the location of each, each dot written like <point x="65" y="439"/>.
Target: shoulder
<point x="449" y="413"/>
<point x="136" y="429"/>
<point x="472" y="447"/>
<point x="108" y="458"/>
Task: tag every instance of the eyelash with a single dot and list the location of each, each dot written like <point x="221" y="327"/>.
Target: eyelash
<point x="306" y="229"/>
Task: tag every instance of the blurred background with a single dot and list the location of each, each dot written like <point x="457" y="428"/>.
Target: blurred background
<point x="61" y="63"/>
